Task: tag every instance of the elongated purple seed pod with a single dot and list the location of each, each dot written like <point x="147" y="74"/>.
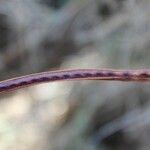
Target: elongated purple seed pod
<point x="77" y="74"/>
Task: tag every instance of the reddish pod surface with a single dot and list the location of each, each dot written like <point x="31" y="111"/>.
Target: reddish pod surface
<point x="77" y="74"/>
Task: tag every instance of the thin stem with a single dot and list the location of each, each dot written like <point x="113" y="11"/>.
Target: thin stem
<point x="77" y="74"/>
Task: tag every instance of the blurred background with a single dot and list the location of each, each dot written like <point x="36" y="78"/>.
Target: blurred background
<point x="40" y="35"/>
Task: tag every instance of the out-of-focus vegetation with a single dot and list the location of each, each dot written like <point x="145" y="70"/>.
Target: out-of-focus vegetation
<point x="39" y="35"/>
